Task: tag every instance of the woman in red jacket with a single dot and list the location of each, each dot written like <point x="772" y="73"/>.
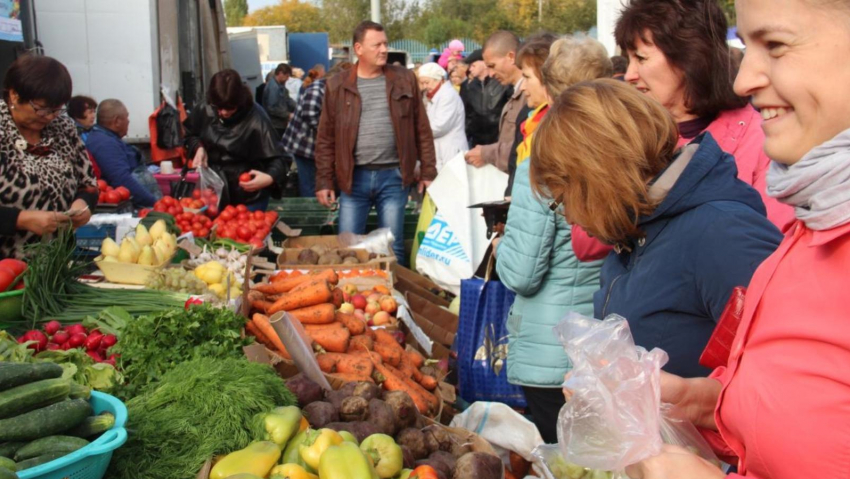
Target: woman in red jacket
<point x="781" y="406"/>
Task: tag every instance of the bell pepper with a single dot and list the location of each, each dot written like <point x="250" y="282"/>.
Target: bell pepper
<point x="348" y="437"/>
<point x="292" y="453"/>
<point x="281" y="424"/>
<point x="304" y="424"/>
<point x="291" y="471"/>
<point x="346" y="461"/>
<point x="424" y="472"/>
<point x="258" y="458"/>
<point x="405" y="474"/>
<point x="316" y="444"/>
<point x="385" y="454"/>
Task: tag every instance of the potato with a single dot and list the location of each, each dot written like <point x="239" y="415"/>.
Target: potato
<point x="320" y="413"/>
<point x="360" y="429"/>
<point x="367" y="391"/>
<point x="319" y="249"/>
<point x="404" y="409"/>
<point x="329" y="258"/>
<point x="437" y="439"/>
<point x="478" y="465"/>
<point x="414" y="441"/>
<point x="381" y="415"/>
<point x="308" y="256"/>
<point x="354" y="408"/>
<point x="304" y="389"/>
<point x="347" y="253"/>
<point x="350" y="260"/>
<point x="445" y="457"/>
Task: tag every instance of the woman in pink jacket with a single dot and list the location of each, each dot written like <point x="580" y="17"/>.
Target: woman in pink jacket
<point x="781" y="406"/>
<point x="678" y="56"/>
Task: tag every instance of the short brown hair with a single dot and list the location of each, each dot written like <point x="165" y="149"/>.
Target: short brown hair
<point x="573" y="60"/>
<point x="227" y="91"/>
<point x="362" y="28"/>
<point x="283" y="68"/>
<point x="78" y="105"/>
<point x="692" y="35"/>
<point x="501" y="42"/>
<point x="36" y="77"/>
<point x="595" y="151"/>
<point x="533" y="54"/>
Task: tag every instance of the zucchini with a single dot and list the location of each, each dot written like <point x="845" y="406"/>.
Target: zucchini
<point x="93" y="425"/>
<point x="6" y="463"/>
<point x="7" y="474"/>
<point x="46" y="445"/>
<point x="21" y="399"/>
<point x="37" y="461"/>
<point x="8" y="449"/>
<point x="78" y="391"/>
<point x="46" y="421"/>
<point x="18" y="374"/>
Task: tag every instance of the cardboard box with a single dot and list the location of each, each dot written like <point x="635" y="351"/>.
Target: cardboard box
<point x="441" y="317"/>
<point x="404" y="285"/>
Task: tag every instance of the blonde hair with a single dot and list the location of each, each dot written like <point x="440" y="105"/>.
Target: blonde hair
<point x="572" y="60"/>
<point x="595" y="151"/>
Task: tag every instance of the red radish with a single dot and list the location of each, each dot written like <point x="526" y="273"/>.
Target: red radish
<point x="109" y="340"/>
<point x="114" y="357"/>
<point x="93" y="342"/>
<point x="53" y="347"/>
<point x="75" y="329"/>
<point x="66" y="346"/>
<point x="61" y="337"/>
<point x="110" y="362"/>
<point x="52" y="327"/>
<point x="39" y="338"/>
<point x="97" y="357"/>
<point x="77" y="340"/>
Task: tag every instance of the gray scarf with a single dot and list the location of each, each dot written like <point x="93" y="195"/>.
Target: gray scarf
<point x="817" y="186"/>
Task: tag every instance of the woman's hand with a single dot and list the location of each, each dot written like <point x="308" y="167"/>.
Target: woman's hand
<point x="258" y="181"/>
<point x="674" y="462"/>
<point x="695" y="397"/>
<point x="41" y="222"/>
<point x="200" y="159"/>
<point x="83" y="213"/>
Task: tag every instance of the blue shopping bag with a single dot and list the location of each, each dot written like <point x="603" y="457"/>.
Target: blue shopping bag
<point x="482" y="342"/>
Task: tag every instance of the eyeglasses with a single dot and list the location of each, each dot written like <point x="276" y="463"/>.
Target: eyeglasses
<point x="47" y="111"/>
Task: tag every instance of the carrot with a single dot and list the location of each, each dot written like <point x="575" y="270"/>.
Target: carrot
<point x="323" y="327"/>
<point x="316" y="294"/>
<point x="428" y="382"/>
<point x="262" y="323"/>
<point x="388" y="353"/>
<point x="327" y="274"/>
<point x="382" y="336"/>
<point x="261" y="306"/>
<point x="308" y="285"/>
<point x="327" y="363"/>
<point x="408" y="369"/>
<point x="361" y="343"/>
<point x="339" y="297"/>
<point x="345" y="363"/>
<point x="349" y="377"/>
<point x="261" y="338"/>
<point x="334" y="340"/>
<point x="391" y="382"/>
<point x="370" y="332"/>
<point x="356" y="326"/>
<point x="432" y="400"/>
<point x="318" y="314"/>
<point x="415" y="358"/>
<point x="362" y="353"/>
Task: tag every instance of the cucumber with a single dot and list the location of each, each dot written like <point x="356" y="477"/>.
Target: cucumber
<point x="78" y="391"/>
<point x="37" y="461"/>
<point x="6" y="463"/>
<point x="7" y="474"/>
<point x="8" y="449"/>
<point x="18" y="374"/>
<point x="93" y="425"/>
<point x="21" y="399"/>
<point x="46" y="445"/>
<point x="46" y="421"/>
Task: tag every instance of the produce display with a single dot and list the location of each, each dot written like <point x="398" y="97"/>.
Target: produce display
<point x="55" y="337"/>
<point x="199" y="199"/>
<point x="219" y="279"/>
<point x="239" y="224"/>
<point x="146" y="248"/>
<point x="109" y="195"/>
<point x="322" y="255"/>
<point x="11" y="274"/>
<point x="177" y="280"/>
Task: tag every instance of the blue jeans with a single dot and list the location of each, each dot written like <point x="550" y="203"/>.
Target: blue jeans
<point x="382" y="189"/>
<point x="306" y="176"/>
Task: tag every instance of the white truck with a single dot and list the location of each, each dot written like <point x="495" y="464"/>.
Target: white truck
<point x="258" y="50"/>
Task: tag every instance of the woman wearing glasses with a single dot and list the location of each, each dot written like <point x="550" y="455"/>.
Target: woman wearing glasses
<point x="46" y="178"/>
<point x="234" y="136"/>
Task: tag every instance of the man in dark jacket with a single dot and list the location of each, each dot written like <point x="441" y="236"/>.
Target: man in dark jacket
<point x="276" y="100"/>
<point x="372" y="132"/>
<point x="483" y="100"/>
<point x="120" y="164"/>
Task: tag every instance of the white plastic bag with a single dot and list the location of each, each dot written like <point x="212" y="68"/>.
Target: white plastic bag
<point x="209" y="179"/>
<point x="504" y="428"/>
<point x="615" y="417"/>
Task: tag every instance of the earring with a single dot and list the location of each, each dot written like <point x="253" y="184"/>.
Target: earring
<point x="12" y="107"/>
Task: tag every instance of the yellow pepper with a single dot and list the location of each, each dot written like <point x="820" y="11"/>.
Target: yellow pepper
<point x="291" y="471"/>
<point x="316" y="444"/>
<point x="348" y="437"/>
<point x="281" y="424"/>
<point x="258" y="458"/>
<point x="346" y="461"/>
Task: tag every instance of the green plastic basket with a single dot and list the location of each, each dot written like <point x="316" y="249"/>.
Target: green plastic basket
<point x="10" y="308"/>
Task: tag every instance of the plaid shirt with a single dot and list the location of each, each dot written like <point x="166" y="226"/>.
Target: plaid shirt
<point x="299" y="139"/>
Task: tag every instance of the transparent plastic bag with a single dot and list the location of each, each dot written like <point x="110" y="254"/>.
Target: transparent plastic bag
<point x="379" y="241"/>
<point x="615" y="417"/>
<point x="209" y="179"/>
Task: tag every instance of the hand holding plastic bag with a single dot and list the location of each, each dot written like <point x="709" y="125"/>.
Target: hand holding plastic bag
<point x="615" y="417"/>
<point x="209" y="179"/>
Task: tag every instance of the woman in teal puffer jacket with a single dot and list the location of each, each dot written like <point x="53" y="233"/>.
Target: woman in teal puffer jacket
<point x="535" y="257"/>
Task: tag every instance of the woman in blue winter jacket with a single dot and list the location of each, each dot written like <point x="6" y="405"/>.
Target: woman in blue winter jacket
<point x="685" y="230"/>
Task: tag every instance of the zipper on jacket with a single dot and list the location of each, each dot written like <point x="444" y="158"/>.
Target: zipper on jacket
<point x="608" y="295"/>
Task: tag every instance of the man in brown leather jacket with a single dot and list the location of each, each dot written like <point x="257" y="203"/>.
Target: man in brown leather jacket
<point x="372" y="133"/>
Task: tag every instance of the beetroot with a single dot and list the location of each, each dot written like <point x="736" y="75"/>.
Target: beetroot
<point x="61" y="337"/>
<point x="52" y="327"/>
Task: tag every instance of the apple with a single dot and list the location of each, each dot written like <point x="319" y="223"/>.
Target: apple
<point x="346" y="297"/>
<point x="359" y="314"/>
<point x="388" y="304"/>
<point x="382" y="318"/>
<point x="347" y="308"/>
<point x="350" y="289"/>
<point x="372" y="307"/>
<point x="374" y="298"/>
<point x="359" y="301"/>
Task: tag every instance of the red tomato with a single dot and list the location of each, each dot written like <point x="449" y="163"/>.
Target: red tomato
<point x="257" y="244"/>
<point x="109" y="188"/>
<point x="101" y="185"/>
<point x="212" y="211"/>
<point x="204" y="232"/>
<point x="196" y="194"/>
<point x="124" y="192"/>
<point x="243" y="215"/>
<point x="259" y="215"/>
<point x="242" y="208"/>
<point x="174" y="210"/>
<point x="243" y="232"/>
<point x="271" y="214"/>
<point x="252" y="228"/>
<point x="197" y="204"/>
<point x="101" y="198"/>
<point x="226" y="215"/>
<point x="6" y="278"/>
<point x="113" y="197"/>
<point x="263" y="231"/>
<point x="144" y="212"/>
<point x="160" y="208"/>
<point x="245" y="177"/>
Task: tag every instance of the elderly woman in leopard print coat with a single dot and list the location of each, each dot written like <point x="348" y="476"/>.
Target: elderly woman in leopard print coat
<point x="46" y="178"/>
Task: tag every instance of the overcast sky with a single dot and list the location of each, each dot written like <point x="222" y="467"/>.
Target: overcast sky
<point x="257" y="4"/>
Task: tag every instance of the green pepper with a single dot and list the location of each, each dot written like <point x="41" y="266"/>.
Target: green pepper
<point x="316" y="444"/>
<point x="348" y="437"/>
<point x="292" y="453"/>
<point x="281" y="424"/>
<point x="258" y="458"/>
<point x="346" y="461"/>
<point x="405" y="473"/>
<point x="384" y="453"/>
